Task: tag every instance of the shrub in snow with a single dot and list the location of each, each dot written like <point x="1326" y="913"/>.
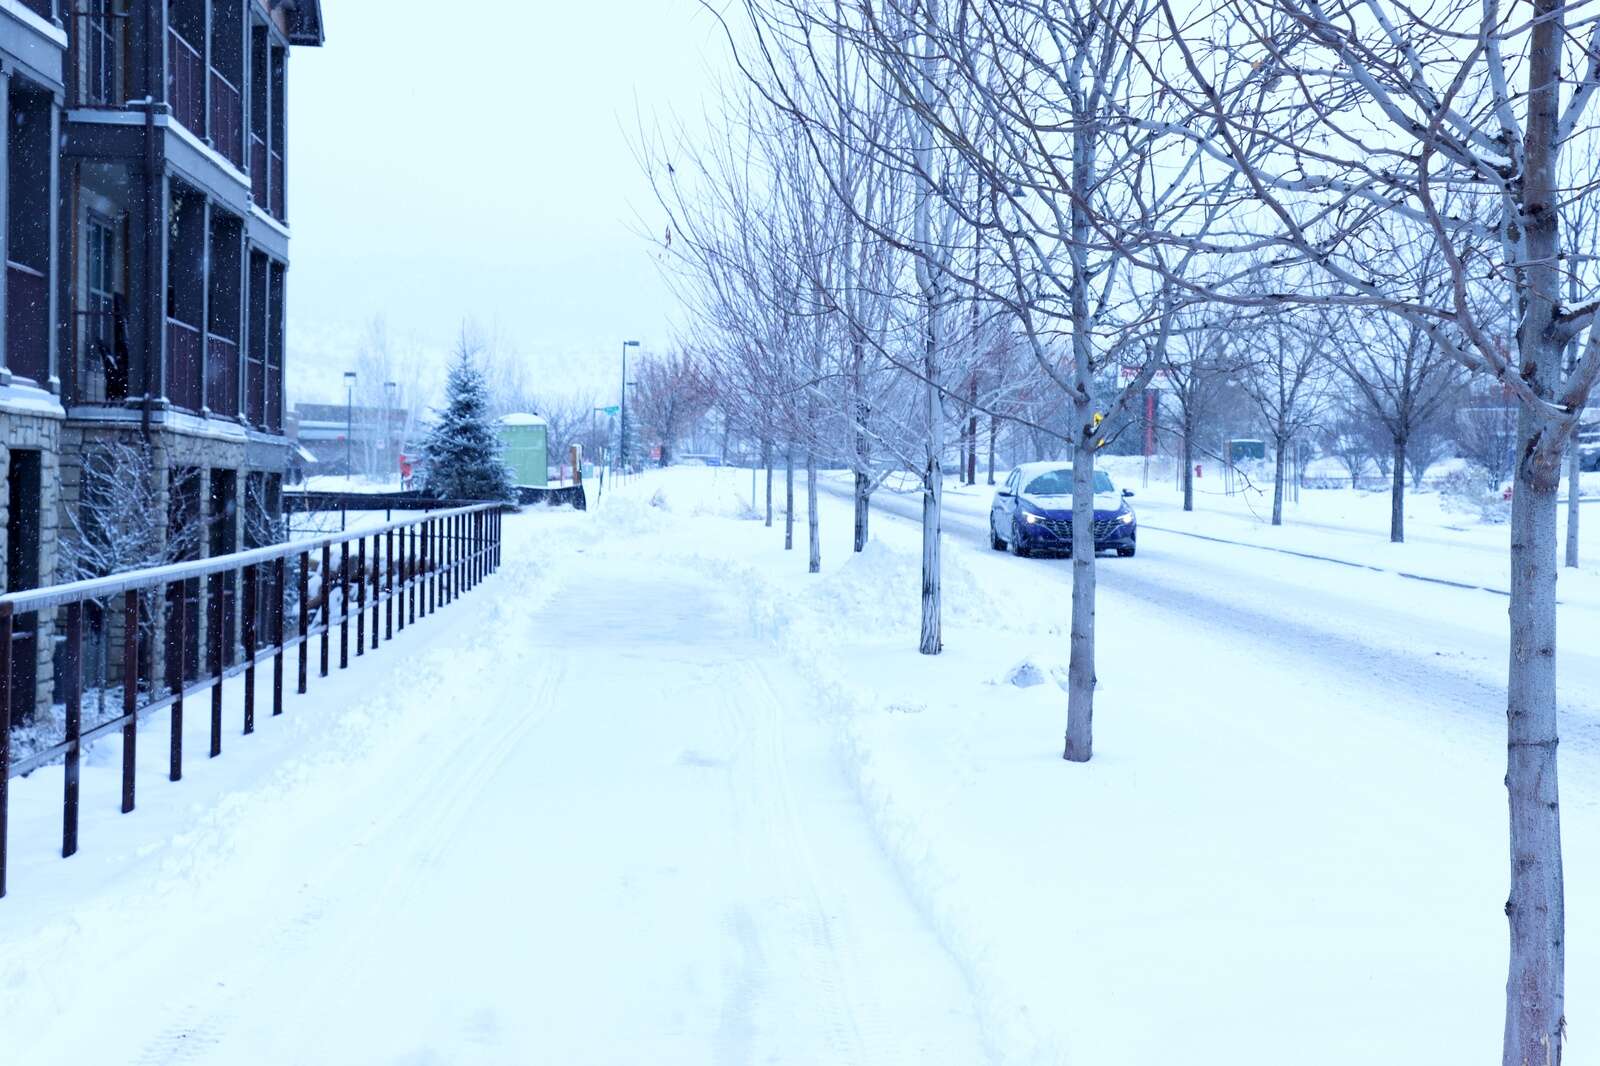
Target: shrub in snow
<point x="463" y="450"/>
<point x="1025" y="674"/>
<point x="1463" y="492"/>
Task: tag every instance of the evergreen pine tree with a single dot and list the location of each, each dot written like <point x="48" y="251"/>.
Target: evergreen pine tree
<point x="463" y="450"/>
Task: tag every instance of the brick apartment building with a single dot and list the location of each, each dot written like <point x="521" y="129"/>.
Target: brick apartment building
<point x="146" y="243"/>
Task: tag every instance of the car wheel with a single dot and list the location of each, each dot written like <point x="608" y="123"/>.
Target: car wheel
<point x="994" y="537"/>
<point x="1016" y="542"/>
<point x="1126" y="553"/>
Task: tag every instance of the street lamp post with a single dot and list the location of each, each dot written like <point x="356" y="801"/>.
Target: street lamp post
<point x="622" y="442"/>
<point x="349" y="420"/>
<point x="391" y="445"/>
<point x="349" y="428"/>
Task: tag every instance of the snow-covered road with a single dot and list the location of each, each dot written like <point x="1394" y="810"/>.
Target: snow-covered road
<point x="1426" y="636"/>
<point x="639" y="846"/>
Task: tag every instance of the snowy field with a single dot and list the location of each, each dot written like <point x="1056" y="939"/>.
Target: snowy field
<point x="655" y="794"/>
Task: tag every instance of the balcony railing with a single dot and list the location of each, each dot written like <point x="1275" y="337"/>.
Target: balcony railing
<point x="274" y="399"/>
<point x="222" y="375"/>
<point x="99" y="55"/>
<point x="255" y="399"/>
<point x="104" y="365"/>
<point x="27" y="322"/>
<point x="186" y="83"/>
<point x="275" y="181"/>
<point x="227" y="119"/>
<point x="184" y="354"/>
<point x="258" y="169"/>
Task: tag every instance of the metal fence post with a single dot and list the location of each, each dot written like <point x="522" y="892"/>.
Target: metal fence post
<point x="180" y="642"/>
<point x="327" y="604"/>
<point x="6" y="622"/>
<point x="388" y="601"/>
<point x="430" y="553"/>
<point x="305" y="627"/>
<point x="249" y="635"/>
<point x="130" y="692"/>
<point x="402" y="576"/>
<point x="72" y="668"/>
<point x="278" y="574"/>
<point x="219" y="646"/>
<point x="344" y="605"/>
<point x="377" y="586"/>
<point x="361" y="597"/>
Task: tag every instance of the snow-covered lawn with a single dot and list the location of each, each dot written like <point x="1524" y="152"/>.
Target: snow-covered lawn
<point x="655" y="794"/>
<point x="351" y="483"/>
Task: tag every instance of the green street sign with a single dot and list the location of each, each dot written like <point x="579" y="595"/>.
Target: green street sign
<point x="613" y="409"/>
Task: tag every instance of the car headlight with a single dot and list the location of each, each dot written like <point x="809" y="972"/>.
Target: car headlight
<point x="1032" y="519"/>
<point x="1126" y="517"/>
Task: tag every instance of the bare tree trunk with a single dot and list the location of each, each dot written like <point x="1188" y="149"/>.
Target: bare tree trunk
<point x="1277" y="482"/>
<point x="1574" y="472"/>
<point x="811" y="511"/>
<point x="1080" y="666"/>
<point x="1080" y="661"/>
<point x="862" y="501"/>
<point x="788" y="502"/>
<point x="1535" y="985"/>
<point x="972" y="433"/>
<point x="766" y="459"/>
<point x="932" y="642"/>
<point x="994" y="428"/>
<point x="1188" y="470"/>
<point x="932" y="636"/>
<point x="1397" y="494"/>
<point x="1536" y="976"/>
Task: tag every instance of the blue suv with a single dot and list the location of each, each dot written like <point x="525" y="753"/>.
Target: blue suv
<point x="1032" y="512"/>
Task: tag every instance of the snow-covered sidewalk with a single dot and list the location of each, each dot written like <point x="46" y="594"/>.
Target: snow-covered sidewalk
<point x="590" y="818"/>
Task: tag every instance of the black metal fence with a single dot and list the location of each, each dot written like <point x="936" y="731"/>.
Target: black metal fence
<point x="389" y="575"/>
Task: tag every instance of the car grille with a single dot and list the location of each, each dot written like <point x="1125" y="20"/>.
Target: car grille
<point x="1061" y="528"/>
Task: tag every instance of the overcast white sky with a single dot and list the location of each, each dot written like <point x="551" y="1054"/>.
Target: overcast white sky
<point x="474" y="161"/>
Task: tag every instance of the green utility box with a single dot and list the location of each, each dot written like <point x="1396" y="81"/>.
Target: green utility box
<point x="526" y="439"/>
<point x="1241" y="450"/>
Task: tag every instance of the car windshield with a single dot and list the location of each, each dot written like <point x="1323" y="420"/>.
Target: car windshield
<point x="1059" y="483"/>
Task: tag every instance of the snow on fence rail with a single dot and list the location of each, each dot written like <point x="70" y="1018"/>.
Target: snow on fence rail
<point x="417" y="565"/>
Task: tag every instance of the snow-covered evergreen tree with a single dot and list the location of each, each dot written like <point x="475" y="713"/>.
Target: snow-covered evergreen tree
<point x="462" y="449"/>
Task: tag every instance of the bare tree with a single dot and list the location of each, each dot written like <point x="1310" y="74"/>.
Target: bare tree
<point x="1450" y="125"/>
<point x="1202" y="365"/>
<point x="1431" y="441"/>
<point x="1399" y="374"/>
<point x="120" y="523"/>
<point x="391" y="392"/>
<point x="1486" y="436"/>
<point x="674" y="393"/>
<point x="1350" y="436"/>
<point x="1288" y="382"/>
